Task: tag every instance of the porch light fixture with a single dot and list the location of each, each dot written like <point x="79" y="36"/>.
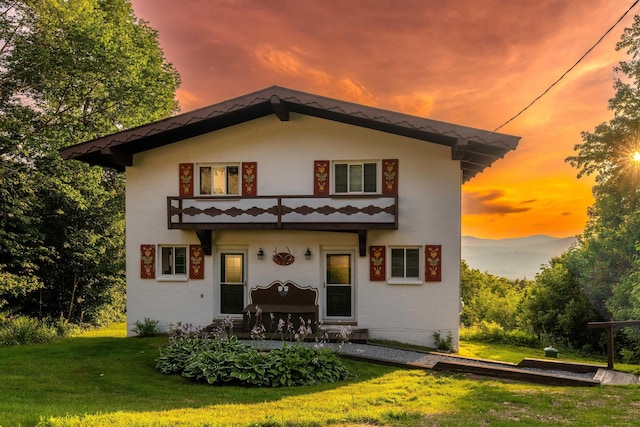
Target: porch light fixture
<point x="260" y="253"/>
<point x="307" y="254"/>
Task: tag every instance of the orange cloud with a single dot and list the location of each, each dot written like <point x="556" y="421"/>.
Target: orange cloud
<point x="471" y="62"/>
<point x="418" y="104"/>
<point x="289" y="62"/>
<point x="278" y="60"/>
<point x="188" y="100"/>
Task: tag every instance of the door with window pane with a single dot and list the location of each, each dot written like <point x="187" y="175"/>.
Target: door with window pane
<point x="232" y="272"/>
<point x="339" y="285"/>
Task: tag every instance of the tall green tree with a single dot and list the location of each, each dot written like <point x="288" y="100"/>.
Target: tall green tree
<point x="606" y="265"/>
<point x="609" y="154"/>
<point x="70" y="71"/>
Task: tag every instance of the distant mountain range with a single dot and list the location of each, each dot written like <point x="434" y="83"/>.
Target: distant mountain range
<point x="517" y="258"/>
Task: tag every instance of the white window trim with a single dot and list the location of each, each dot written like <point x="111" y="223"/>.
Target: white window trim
<point x="406" y="280"/>
<point x="214" y="165"/>
<point x="164" y="277"/>
<point x="378" y="164"/>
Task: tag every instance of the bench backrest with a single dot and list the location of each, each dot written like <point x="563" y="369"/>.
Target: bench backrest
<point x="284" y="293"/>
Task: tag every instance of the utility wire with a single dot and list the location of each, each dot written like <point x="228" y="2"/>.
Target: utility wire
<point x="569" y="70"/>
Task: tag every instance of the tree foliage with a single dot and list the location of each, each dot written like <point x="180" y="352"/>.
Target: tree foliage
<point x="70" y="71"/>
<point x="557" y="308"/>
<point x="606" y="265"/>
<point x="489" y="298"/>
<point x="610" y="239"/>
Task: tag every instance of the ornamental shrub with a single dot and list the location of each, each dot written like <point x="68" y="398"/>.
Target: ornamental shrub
<point x="146" y="328"/>
<point x="221" y="360"/>
<point x="25" y="330"/>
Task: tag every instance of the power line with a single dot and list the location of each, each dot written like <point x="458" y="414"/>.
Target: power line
<point x="570" y="69"/>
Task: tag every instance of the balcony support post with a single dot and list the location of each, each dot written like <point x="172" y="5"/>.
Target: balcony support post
<point x="362" y="242"/>
<point x="205" y="240"/>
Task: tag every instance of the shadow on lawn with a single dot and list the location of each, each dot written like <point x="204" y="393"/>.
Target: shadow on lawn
<point x="89" y="375"/>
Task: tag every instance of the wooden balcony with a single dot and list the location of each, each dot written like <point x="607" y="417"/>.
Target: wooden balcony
<point x="337" y="213"/>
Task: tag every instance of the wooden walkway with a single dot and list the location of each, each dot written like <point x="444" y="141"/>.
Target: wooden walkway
<point x="538" y="371"/>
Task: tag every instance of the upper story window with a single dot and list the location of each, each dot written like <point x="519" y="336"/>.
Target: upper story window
<point x="173" y="261"/>
<point x="218" y="179"/>
<point x="405" y="263"/>
<point x="355" y="177"/>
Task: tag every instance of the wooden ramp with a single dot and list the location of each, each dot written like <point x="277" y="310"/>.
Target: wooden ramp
<point x="515" y="373"/>
<point x="609" y="377"/>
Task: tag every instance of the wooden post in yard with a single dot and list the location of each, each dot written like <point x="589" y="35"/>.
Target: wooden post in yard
<point x="609" y="326"/>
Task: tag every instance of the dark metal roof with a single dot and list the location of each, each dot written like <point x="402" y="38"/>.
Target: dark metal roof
<point x="477" y="149"/>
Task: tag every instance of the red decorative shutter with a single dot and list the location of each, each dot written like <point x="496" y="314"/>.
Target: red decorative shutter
<point x="433" y="255"/>
<point x="249" y="178"/>
<point x="147" y="261"/>
<point x="390" y="177"/>
<point x="321" y="169"/>
<point x="196" y="262"/>
<point x="186" y="179"/>
<point x="377" y="264"/>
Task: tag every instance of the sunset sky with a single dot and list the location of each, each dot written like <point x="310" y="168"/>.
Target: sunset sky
<point x="470" y="62"/>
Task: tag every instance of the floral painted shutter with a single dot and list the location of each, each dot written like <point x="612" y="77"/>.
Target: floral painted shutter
<point x="186" y="179"/>
<point x="249" y="178"/>
<point x="377" y="265"/>
<point x="196" y="262"/>
<point x="390" y="177"/>
<point x="321" y="177"/>
<point x="433" y="270"/>
<point x="147" y="261"/>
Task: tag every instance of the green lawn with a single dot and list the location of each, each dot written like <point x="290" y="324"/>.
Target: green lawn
<point x="103" y="378"/>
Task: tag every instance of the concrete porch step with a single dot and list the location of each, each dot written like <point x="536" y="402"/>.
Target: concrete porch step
<point x="358" y="335"/>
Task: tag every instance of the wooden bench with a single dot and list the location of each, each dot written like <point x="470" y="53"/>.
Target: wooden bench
<point x="279" y="300"/>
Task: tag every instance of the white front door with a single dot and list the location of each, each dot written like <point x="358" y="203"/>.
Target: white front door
<point x="232" y="282"/>
<point x="339" y="285"/>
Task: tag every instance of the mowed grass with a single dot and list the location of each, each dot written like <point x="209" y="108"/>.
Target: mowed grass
<point x="103" y="378"/>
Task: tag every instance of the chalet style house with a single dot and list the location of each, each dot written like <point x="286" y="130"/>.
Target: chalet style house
<point x="356" y="206"/>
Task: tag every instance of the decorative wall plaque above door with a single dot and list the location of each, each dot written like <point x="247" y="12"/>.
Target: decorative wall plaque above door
<point x="283" y="258"/>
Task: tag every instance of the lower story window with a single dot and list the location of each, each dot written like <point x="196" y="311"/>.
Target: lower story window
<point x="405" y="263"/>
<point x="173" y="260"/>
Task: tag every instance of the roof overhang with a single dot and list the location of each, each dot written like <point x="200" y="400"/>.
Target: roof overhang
<point x="476" y="149"/>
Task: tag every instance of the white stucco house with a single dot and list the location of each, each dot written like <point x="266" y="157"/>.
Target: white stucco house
<point x="359" y="204"/>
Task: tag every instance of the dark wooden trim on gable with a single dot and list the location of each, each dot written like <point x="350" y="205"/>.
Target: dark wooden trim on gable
<point x="459" y="149"/>
<point x="463" y="140"/>
<point x="280" y="109"/>
<point x="118" y="157"/>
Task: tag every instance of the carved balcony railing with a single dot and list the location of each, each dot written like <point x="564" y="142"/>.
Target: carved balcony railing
<point x="336" y="213"/>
